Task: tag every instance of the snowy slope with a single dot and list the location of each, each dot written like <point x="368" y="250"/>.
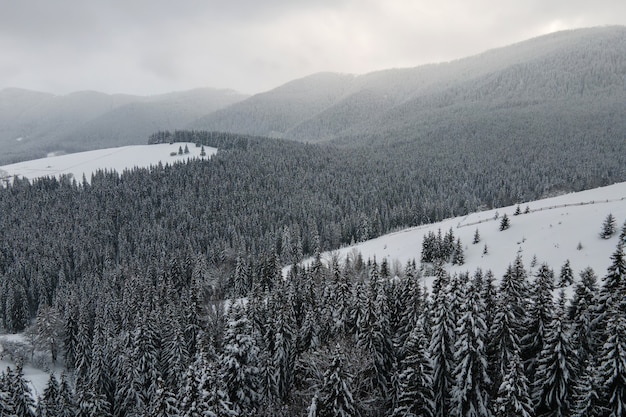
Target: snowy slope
<point x="551" y="232"/>
<point x="118" y="159"/>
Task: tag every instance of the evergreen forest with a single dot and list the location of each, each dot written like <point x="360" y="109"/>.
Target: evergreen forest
<point x="161" y="291"/>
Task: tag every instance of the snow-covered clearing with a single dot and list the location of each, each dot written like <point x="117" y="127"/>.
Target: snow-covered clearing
<point x="17" y="344"/>
<point x="551" y="232"/>
<point x="117" y="159"/>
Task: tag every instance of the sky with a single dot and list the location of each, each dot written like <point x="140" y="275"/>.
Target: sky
<point x="156" y="46"/>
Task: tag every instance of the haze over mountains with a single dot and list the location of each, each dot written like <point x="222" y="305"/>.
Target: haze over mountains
<point x="33" y="124"/>
<point x="568" y="85"/>
<point x="575" y="76"/>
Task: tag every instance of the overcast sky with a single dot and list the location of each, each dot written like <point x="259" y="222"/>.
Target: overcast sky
<point x="157" y="46"/>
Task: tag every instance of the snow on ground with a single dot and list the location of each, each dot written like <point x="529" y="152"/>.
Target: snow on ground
<point x="118" y="159"/>
<point x="551" y="231"/>
<point x="36" y="377"/>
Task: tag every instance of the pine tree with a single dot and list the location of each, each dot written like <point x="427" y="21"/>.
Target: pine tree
<point x="441" y="353"/>
<point x="612" y="362"/>
<point x="586" y="400"/>
<point x="540" y="315"/>
<point x="239" y="368"/>
<point x="608" y="227"/>
<point x="510" y="316"/>
<point x="566" y="277"/>
<point x="470" y="396"/>
<point x="68" y="405"/>
<point x="336" y="398"/>
<point x="583" y="311"/>
<point x="458" y="258"/>
<point x="476" y="237"/>
<point x="504" y="222"/>
<point x="191" y="404"/>
<point x="165" y="403"/>
<point x="214" y="395"/>
<point x="415" y="394"/>
<point x="50" y="404"/>
<point x="513" y="398"/>
<point x="21" y="397"/>
<point x="556" y="367"/>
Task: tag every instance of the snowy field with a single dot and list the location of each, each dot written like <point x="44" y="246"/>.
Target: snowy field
<point x="551" y="232"/>
<point x="118" y="159"/>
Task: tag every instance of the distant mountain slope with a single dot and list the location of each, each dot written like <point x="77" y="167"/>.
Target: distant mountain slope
<point x="33" y="124"/>
<point x="580" y="72"/>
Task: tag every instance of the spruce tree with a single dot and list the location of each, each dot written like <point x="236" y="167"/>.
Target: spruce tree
<point x="586" y="400"/>
<point x="21" y="397"/>
<point x="608" y="227"/>
<point x="415" y="393"/>
<point x="504" y="222"/>
<point x="476" y="237"/>
<point x="556" y="368"/>
<point x="513" y="398"/>
<point x="612" y="364"/>
<point x="566" y="277"/>
<point x="441" y="354"/>
<point x="239" y="368"/>
<point x="540" y="315"/>
<point x="470" y="393"/>
<point x="336" y="398"/>
<point x="583" y="312"/>
<point x="50" y="404"/>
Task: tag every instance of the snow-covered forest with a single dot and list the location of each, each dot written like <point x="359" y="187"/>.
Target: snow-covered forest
<point x="161" y="291"/>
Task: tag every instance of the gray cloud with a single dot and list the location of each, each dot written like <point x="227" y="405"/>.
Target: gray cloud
<point x="148" y="47"/>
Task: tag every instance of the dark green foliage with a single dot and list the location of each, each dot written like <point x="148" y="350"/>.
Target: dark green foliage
<point x="335" y="397"/>
<point x="608" y="227"/>
<point x="513" y="398"/>
<point x="505" y="223"/>
<point x="476" y="237"/>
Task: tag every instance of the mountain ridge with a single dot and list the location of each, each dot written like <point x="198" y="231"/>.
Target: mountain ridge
<point x="370" y="104"/>
<point x="33" y="123"/>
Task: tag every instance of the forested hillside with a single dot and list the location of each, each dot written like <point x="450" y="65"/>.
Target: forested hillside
<point x="563" y="86"/>
<point x="132" y="283"/>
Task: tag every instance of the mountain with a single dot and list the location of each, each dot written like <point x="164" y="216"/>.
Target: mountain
<point x="33" y="124"/>
<point x="570" y="81"/>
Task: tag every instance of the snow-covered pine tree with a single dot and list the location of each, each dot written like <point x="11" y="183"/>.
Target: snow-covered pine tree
<point x="336" y="398"/>
<point x="612" y="364"/>
<point x="458" y="257"/>
<point x="470" y="393"/>
<point x="164" y="403"/>
<point x="566" y="277"/>
<point x="556" y="367"/>
<point x="441" y="353"/>
<point x="583" y="311"/>
<point x="414" y="393"/>
<point x="476" y="237"/>
<point x="540" y="314"/>
<point x="586" y="400"/>
<point x="239" y="368"/>
<point x="510" y="315"/>
<point x="21" y="397"/>
<point x="608" y="227"/>
<point x="513" y="398"/>
<point x="505" y="223"/>
<point x="49" y="404"/>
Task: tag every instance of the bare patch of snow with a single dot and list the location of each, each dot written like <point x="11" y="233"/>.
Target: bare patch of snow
<point x="117" y="159"/>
